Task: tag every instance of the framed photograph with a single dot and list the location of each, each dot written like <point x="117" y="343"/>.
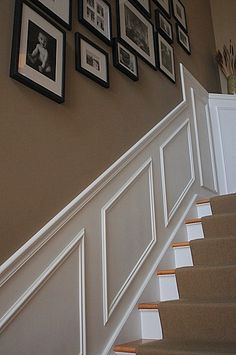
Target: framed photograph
<point x="183" y="39"/>
<point x="143" y="6"/>
<point x="179" y="13"/>
<point x="164" y="26"/>
<point x="164" y="5"/>
<point x="38" y="52"/>
<point x="136" y="31"/>
<point x="166" y="57"/>
<point x="96" y="16"/>
<point x="125" y="60"/>
<point x="91" y="60"/>
<point x="58" y="10"/>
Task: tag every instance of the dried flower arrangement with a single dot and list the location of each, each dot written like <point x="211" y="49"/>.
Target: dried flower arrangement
<point x="227" y="60"/>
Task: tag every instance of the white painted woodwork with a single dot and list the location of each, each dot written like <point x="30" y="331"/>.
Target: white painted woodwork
<point x="151" y="324"/>
<point x="223" y="122"/>
<point x="203" y="209"/>
<point x="105" y="245"/>
<point x="168" y="287"/>
<point x="194" y="231"/>
<point x="183" y="256"/>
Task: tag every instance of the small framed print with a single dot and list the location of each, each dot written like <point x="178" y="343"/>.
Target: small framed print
<point x="166" y="57"/>
<point x="59" y="10"/>
<point x="143" y="6"/>
<point x="164" y="26"/>
<point x="96" y="16"/>
<point x="38" y="52"/>
<point x="164" y="5"/>
<point x="179" y="13"/>
<point x="183" y="39"/>
<point x="91" y="60"/>
<point x="136" y="31"/>
<point x="125" y="60"/>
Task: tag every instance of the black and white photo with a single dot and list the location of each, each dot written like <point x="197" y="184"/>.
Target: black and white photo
<point x="179" y="13"/>
<point x="125" y="60"/>
<point x="164" y="5"/>
<point x="166" y="57"/>
<point x="164" y="26"/>
<point x="96" y="16"/>
<point x="91" y="60"/>
<point x="183" y="39"/>
<point x="136" y="31"/>
<point x="59" y="10"/>
<point x="38" y="51"/>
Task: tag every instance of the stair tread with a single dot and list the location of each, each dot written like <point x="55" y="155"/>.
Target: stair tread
<point x="180" y="244"/>
<point x="202" y="201"/>
<point x="148" y="305"/>
<point x="193" y="220"/>
<point x="166" y="272"/>
<point x="131" y="346"/>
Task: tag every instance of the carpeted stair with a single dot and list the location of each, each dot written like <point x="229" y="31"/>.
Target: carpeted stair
<point x="203" y="320"/>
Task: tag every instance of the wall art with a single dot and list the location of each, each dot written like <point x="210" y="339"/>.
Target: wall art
<point x="91" y="60"/>
<point x="125" y="60"/>
<point x="164" y="5"/>
<point x="136" y="31"/>
<point x="179" y="13"/>
<point x="164" y="26"/>
<point x="166" y="57"/>
<point x="38" y="51"/>
<point x="183" y="39"/>
<point x="143" y="6"/>
<point x="96" y="16"/>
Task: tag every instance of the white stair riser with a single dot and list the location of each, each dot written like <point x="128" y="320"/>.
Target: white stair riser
<point x="204" y="210"/>
<point x="168" y="287"/>
<point x="125" y="353"/>
<point x="183" y="256"/>
<point x="194" y="231"/>
<point x="151" y="324"/>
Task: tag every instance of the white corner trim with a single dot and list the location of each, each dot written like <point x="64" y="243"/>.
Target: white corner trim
<point x="23" y="300"/>
<point x="108" y="309"/>
<point x="169" y="214"/>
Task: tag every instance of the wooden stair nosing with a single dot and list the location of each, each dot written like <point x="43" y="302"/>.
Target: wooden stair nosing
<point x="202" y="201"/>
<point x="148" y="306"/>
<point x="131" y="346"/>
<point x="181" y="244"/>
<point x="192" y="220"/>
<point x="166" y="272"/>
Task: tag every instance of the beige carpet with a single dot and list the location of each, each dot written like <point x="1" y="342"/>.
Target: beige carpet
<point x="203" y="320"/>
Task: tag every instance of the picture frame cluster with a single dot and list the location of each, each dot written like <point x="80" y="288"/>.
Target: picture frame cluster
<point x="39" y="40"/>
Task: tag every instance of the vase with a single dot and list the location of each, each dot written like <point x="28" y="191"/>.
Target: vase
<point x="231" y="84"/>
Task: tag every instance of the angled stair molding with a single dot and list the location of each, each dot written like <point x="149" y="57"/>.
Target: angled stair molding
<point x="127" y="234"/>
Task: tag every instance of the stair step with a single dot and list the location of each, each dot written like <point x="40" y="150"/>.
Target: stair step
<point x="150" y="321"/>
<point x="198" y="321"/>
<point x="218" y="251"/>
<point x="194" y="228"/>
<point x="167" y="285"/>
<point x="202" y="201"/>
<point x="207" y="283"/>
<point x="223" y="204"/>
<point x="218" y="226"/>
<point x="182" y="254"/>
<point x="130" y="348"/>
<point x="203" y="208"/>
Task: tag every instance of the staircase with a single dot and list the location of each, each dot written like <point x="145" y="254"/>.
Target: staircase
<point x="196" y="314"/>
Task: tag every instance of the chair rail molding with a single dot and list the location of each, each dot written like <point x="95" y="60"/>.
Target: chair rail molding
<point x="131" y="214"/>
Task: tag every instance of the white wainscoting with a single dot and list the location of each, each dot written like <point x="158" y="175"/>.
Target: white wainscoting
<point x="70" y="292"/>
<point x="223" y="121"/>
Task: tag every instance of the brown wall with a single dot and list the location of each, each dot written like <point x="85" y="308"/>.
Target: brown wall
<point x="49" y="152"/>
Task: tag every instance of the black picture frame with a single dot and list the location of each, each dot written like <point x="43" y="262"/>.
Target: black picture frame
<point x="183" y="38"/>
<point x="179" y="13"/>
<point x="96" y="16"/>
<point x="34" y="65"/>
<point x="144" y="8"/>
<point x="91" y="60"/>
<point x="164" y="26"/>
<point x="166" y="58"/>
<point x="165" y="6"/>
<point x="125" y="60"/>
<point x="60" y="12"/>
<point x="136" y="31"/>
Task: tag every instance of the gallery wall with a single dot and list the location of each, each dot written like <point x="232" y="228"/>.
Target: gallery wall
<point x="50" y="152"/>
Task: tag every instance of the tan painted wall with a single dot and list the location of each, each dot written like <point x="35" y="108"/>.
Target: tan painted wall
<point x="224" y="19"/>
<point x="49" y="152"/>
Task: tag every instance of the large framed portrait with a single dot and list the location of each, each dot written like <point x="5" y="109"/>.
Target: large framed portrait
<point x="38" y="51"/>
<point x="91" y="60"/>
<point x="166" y="57"/>
<point x="96" y="16"/>
<point x="164" y="5"/>
<point x="125" y="60"/>
<point x="136" y="31"/>
<point x="59" y="10"/>
<point x="179" y="13"/>
<point x="164" y="26"/>
<point x="143" y="6"/>
<point x="183" y="39"/>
